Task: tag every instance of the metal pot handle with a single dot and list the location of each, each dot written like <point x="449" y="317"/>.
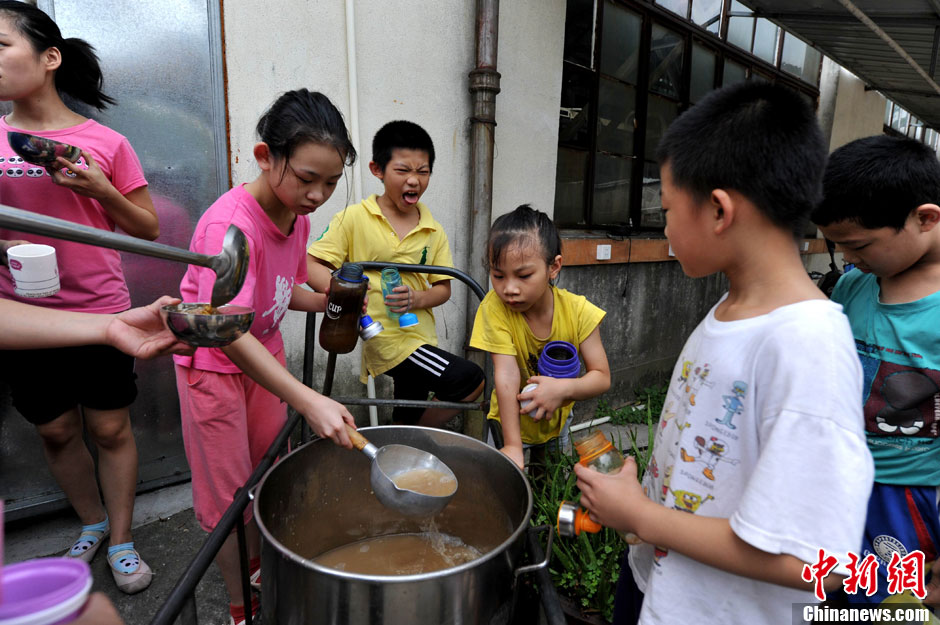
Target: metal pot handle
<point x="522" y="570"/>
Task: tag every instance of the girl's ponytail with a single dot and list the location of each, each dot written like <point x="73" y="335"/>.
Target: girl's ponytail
<point x="79" y="76"/>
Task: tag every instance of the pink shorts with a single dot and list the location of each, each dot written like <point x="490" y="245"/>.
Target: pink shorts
<point x="229" y="421"/>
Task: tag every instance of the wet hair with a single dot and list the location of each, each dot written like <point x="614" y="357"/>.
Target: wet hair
<point x="79" y="75"/>
<point x="755" y="138"/>
<point x="402" y="135"/>
<point x="522" y="226"/>
<point x="299" y="117"/>
<point x="877" y="182"/>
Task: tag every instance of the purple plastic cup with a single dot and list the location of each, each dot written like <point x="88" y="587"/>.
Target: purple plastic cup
<point x="44" y="591"/>
<point x="559" y="359"/>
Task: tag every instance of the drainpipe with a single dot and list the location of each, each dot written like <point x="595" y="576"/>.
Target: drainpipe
<point x="484" y="85"/>
<point x="352" y="81"/>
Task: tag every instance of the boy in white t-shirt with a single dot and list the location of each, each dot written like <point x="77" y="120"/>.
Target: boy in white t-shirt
<point x="760" y="460"/>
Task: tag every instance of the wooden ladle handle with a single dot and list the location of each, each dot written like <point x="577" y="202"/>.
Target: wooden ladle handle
<point x="358" y="440"/>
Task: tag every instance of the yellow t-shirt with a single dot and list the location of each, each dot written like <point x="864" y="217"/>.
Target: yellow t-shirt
<point x="500" y="330"/>
<point x="361" y="233"/>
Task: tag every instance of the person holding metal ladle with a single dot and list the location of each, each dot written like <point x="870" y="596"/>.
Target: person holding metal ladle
<point x="91" y="386"/>
<point x="233" y="399"/>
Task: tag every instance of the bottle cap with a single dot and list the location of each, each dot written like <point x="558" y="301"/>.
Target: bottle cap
<point x="525" y="403"/>
<point x="369" y="327"/>
<point x="407" y="320"/>
<point x="350" y="272"/>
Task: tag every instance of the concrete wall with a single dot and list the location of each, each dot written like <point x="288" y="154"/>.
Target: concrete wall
<point x="858" y="113"/>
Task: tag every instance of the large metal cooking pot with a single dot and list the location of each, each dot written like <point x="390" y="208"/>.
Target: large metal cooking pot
<point x="318" y="498"/>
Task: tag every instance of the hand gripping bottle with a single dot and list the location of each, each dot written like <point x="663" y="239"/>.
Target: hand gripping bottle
<point x="597" y="453"/>
<point x="339" y="330"/>
<point x="559" y="359"/>
<point x="391" y="279"/>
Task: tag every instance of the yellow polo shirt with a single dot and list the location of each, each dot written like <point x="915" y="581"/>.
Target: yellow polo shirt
<point x="361" y="233"/>
<point x="500" y="330"/>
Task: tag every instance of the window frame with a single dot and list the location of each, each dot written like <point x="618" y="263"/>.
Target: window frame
<point x="690" y="33"/>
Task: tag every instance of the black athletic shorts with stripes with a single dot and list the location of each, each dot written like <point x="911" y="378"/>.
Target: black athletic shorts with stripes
<point x="431" y="369"/>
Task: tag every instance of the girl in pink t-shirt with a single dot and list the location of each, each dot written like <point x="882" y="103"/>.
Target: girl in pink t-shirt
<point x="93" y="385"/>
<point x="232" y="399"/>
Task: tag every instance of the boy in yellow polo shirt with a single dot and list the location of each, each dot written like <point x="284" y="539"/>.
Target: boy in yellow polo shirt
<point x="395" y="227"/>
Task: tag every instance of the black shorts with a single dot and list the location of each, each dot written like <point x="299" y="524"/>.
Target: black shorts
<point x="430" y="369"/>
<point x="47" y="383"/>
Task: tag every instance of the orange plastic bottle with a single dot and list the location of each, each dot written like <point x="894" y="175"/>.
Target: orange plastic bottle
<point x="598" y="453"/>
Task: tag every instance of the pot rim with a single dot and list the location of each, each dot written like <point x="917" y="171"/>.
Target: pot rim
<point x="387" y="579"/>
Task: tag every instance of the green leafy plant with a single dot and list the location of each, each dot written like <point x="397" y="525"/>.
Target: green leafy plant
<point x="649" y="401"/>
<point x="585" y="568"/>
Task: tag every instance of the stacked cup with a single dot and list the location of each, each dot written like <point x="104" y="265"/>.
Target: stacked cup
<point x="34" y="270"/>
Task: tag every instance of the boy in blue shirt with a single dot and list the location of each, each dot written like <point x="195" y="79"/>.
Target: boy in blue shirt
<point x="880" y="208"/>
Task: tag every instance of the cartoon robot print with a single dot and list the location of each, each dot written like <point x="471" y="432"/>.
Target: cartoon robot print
<point x="709" y="452"/>
<point x="733" y="404"/>
<point x="697" y="380"/>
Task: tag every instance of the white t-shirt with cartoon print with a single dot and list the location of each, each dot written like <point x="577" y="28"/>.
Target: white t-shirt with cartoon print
<point x="762" y="424"/>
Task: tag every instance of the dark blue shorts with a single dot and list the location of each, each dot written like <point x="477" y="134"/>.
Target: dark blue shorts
<point x="901" y="519"/>
<point x="47" y="383"/>
<point x="431" y="369"/>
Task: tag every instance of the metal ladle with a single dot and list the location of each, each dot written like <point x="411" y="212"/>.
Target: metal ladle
<point x="391" y="461"/>
<point x="230" y="265"/>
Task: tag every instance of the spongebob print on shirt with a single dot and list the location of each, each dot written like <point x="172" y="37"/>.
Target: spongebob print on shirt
<point x="693" y="456"/>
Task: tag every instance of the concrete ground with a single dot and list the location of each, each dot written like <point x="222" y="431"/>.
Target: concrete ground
<point x="166" y="535"/>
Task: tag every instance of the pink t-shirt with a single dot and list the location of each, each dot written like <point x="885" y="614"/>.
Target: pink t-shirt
<point x="276" y="263"/>
<point x="91" y="278"/>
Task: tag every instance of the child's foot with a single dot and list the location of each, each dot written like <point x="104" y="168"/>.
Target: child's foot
<point x="90" y="540"/>
<point x="130" y="572"/>
<point x="237" y="613"/>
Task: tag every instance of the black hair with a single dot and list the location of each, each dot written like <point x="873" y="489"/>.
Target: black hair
<point x="878" y="182"/>
<point x="79" y="75"/>
<point x="301" y="116"/>
<point x="521" y="226"/>
<point x="403" y="135"/>
<point x="755" y="138"/>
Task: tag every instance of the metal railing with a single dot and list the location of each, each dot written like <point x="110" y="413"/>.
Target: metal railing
<point x="181" y="602"/>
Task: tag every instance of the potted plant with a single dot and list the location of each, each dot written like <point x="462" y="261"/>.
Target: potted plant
<point x="584" y="569"/>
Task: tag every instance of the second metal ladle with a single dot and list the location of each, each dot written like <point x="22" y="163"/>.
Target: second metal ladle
<point x="230" y="265"/>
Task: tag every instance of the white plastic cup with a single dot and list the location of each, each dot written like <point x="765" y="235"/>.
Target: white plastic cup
<point x="34" y="269"/>
<point x="525" y="403"/>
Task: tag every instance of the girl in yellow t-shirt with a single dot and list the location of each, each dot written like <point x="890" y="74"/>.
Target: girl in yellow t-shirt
<point x="524" y="312"/>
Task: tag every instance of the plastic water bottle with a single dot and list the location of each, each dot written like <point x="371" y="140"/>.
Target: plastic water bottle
<point x="339" y="330"/>
<point x="598" y="453"/>
<point x="390" y="280"/>
<point x="559" y="359"/>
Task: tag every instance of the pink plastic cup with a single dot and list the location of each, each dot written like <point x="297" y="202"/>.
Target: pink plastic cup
<point x="44" y="591"/>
